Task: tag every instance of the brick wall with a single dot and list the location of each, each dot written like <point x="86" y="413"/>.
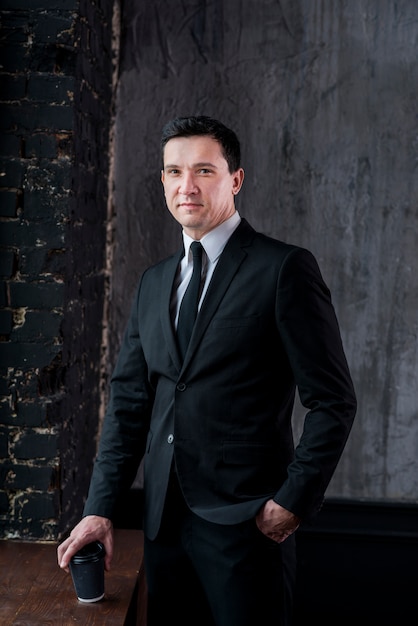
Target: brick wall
<point x="56" y="99"/>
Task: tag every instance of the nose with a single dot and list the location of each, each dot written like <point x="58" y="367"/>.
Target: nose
<point x="188" y="184"/>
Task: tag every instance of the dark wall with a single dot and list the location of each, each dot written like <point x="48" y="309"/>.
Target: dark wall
<point x="86" y="269"/>
<point x="55" y="79"/>
<point x="357" y="564"/>
<point x="323" y="96"/>
<point x="324" y="100"/>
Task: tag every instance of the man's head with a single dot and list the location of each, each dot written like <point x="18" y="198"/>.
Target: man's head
<point x="201" y="173"/>
<point x="203" y="125"/>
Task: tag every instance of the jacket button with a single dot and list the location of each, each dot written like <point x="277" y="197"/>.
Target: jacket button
<point x="170" y="438"/>
<point x="181" y="387"/>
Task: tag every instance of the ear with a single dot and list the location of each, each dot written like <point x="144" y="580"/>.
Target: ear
<point x="162" y="176"/>
<point x="237" y="180"/>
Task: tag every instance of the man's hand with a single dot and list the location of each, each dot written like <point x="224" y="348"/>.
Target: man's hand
<point x="91" y="528"/>
<point x="276" y="522"/>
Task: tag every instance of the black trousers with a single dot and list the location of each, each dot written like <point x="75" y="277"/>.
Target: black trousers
<point x="205" y="574"/>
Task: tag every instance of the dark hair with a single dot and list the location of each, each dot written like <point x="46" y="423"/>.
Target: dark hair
<point x="202" y="125"/>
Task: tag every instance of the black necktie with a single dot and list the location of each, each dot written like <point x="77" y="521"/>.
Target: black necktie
<point x="189" y="304"/>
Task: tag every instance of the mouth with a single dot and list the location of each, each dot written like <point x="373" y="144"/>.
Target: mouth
<point x="189" y="205"/>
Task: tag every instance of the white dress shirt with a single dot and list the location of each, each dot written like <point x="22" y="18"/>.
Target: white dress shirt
<point x="213" y="244"/>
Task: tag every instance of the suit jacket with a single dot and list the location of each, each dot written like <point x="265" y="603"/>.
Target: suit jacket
<point x="266" y="327"/>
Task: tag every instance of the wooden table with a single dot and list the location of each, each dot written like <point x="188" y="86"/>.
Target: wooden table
<point x="35" y="591"/>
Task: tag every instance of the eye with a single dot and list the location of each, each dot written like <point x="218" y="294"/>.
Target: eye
<point x="204" y="170"/>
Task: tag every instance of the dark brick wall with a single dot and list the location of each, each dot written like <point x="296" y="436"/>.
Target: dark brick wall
<point x="86" y="238"/>
<point x="56" y="97"/>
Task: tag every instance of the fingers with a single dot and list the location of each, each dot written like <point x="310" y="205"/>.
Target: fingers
<point x="91" y="528"/>
<point x="279" y="537"/>
<point x="108" y="544"/>
<point x="62" y="555"/>
<point x="275" y="534"/>
<point x="275" y="522"/>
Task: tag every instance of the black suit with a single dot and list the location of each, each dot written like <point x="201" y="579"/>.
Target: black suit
<point x="266" y="326"/>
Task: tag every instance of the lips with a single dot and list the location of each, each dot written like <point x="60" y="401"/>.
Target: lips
<point x="190" y="205"/>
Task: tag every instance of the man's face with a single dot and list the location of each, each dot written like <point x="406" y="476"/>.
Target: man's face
<point x="199" y="189"/>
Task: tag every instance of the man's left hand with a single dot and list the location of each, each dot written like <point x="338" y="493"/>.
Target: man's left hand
<point x="276" y="522"/>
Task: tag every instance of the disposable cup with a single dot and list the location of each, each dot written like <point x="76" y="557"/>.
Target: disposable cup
<point x="87" y="571"/>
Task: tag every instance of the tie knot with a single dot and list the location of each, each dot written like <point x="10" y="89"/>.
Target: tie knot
<point x="196" y="248"/>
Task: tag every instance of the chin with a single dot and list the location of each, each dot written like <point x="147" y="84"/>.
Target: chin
<point x="191" y="222"/>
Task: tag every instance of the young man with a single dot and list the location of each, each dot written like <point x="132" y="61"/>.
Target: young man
<point x="224" y="487"/>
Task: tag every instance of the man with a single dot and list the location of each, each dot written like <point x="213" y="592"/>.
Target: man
<point x="224" y="487"/>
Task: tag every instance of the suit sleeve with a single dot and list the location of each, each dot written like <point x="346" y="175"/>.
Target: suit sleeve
<point x="125" y="425"/>
<point x="311" y="336"/>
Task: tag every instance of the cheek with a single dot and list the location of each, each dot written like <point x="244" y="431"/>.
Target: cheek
<point x="168" y="193"/>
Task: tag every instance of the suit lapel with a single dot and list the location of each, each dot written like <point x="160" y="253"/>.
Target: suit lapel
<point x="231" y="258"/>
<point x="169" y="275"/>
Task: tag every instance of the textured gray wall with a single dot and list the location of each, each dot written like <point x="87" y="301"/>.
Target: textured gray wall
<point x="323" y="95"/>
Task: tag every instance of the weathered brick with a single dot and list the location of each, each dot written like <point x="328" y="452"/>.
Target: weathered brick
<point x="3" y="293"/>
<point x="4" y="503"/>
<point x="8" y="202"/>
<point x="36" y="506"/>
<point x="46" y="175"/>
<point x="14" y="58"/>
<point x="29" y="117"/>
<point x="7" y="415"/>
<point x="51" y="378"/>
<point x="55" y="263"/>
<point x="7" y="263"/>
<point x="39" y="263"/>
<point x="24" y="477"/>
<point x="6" y="409"/>
<point x="37" y="325"/>
<point x="15" y="27"/>
<point x="12" y="171"/>
<point x="33" y="445"/>
<point x="48" y="124"/>
<point x="4" y="443"/>
<point x="22" y="385"/>
<point x="5" y="468"/>
<point x="65" y="61"/>
<point x="54" y="28"/>
<point x="40" y="203"/>
<point x="40" y="145"/>
<point x="43" y="296"/>
<point x="26" y="355"/>
<point x="43" y="5"/>
<point x="6" y="322"/>
<point x="10" y="145"/>
<point x="32" y="414"/>
<point x="4" y="388"/>
<point x="51" y="88"/>
<point x="12" y="87"/>
<point x="65" y="145"/>
<point x="19" y="234"/>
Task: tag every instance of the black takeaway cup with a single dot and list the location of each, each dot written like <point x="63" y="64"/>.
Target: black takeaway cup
<point x="87" y="571"/>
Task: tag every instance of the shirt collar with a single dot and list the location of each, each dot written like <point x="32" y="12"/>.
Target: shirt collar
<point x="214" y="241"/>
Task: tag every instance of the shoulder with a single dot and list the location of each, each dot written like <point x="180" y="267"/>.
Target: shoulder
<point x="162" y="266"/>
<point x="158" y="278"/>
<point x="270" y="248"/>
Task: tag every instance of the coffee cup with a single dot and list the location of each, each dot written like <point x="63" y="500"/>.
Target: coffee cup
<point x="87" y="571"/>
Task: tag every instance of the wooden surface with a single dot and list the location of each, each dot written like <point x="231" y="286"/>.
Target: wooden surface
<point x="35" y="591"/>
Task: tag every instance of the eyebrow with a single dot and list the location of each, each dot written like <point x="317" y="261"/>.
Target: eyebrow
<point x="202" y="164"/>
